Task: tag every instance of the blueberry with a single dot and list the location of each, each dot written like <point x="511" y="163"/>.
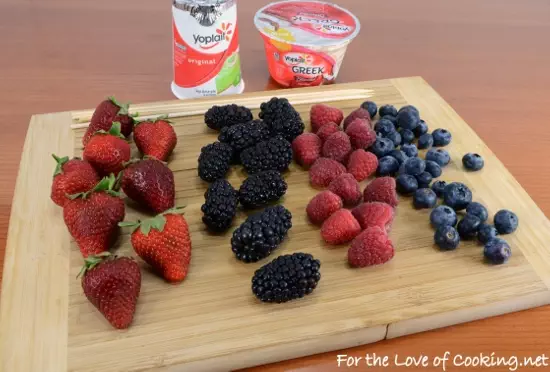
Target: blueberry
<point x="391" y="118"/>
<point x="382" y="147"/>
<point x="414" y="166"/>
<point x="409" y="108"/>
<point x="407" y="136"/>
<point x="395" y="137"/>
<point x="440" y="156"/>
<point x="384" y="127"/>
<point x="457" y="195"/>
<point x="443" y="216"/>
<point x="473" y="162"/>
<point x="410" y="150"/>
<point x="497" y="251"/>
<point x="424" y="179"/>
<point x="370" y="107"/>
<point x="433" y="168"/>
<point x="486" y="233"/>
<point x="477" y="210"/>
<point x="408" y="119"/>
<point x="447" y="238"/>
<point x="439" y="187"/>
<point x="387" y="110"/>
<point x="387" y="166"/>
<point x="424" y="198"/>
<point x="406" y="184"/>
<point x="399" y="155"/>
<point x="468" y="226"/>
<point x="442" y="137"/>
<point x="506" y="222"/>
<point x="421" y="128"/>
<point x="425" y="141"/>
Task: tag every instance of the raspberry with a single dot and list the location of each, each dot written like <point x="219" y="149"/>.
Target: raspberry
<point x="374" y="214"/>
<point x="358" y="113"/>
<point x="320" y="115"/>
<point x="306" y="149"/>
<point x="362" y="164"/>
<point x="326" y="130"/>
<point x="322" y="206"/>
<point x="337" y="147"/>
<point x="382" y="190"/>
<point x="323" y="171"/>
<point x="371" y="247"/>
<point x="347" y="188"/>
<point x="341" y="227"/>
<point x="361" y="135"/>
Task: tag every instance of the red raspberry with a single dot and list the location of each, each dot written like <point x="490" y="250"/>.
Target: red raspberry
<point x="347" y="188"/>
<point x="374" y="214"/>
<point x="322" y="206"/>
<point x="371" y="247"/>
<point x="361" y="135"/>
<point x="337" y="147"/>
<point x="362" y="164"/>
<point x="358" y="113"/>
<point x="341" y="227"/>
<point x="326" y="130"/>
<point x="306" y="149"/>
<point x="381" y="189"/>
<point x="320" y="115"/>
<point x="323" y="171"/>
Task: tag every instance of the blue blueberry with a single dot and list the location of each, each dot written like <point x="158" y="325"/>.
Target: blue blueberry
<point x="421" y="128"/>
<point x="486" y="233"/>
<point x="370" y="107"/>
<point x="391" y="118"/>
<point x="399" y="155"/>
<point x="447" y="238"/>
<point x="443" y="216"/>
<point x="382" y="147"/>
<point x="425" y="141"/>
<point x="408" y="119"/>
<point x="439" y="187"/>
<point x="433" y="168"/>
<point x="424" y="179"/>
<point x="497" y="251"/>
<point x="387" y="110"/>
<point x="468" y="226"/>
<point x="387" y="166"/>
<point x="457" y="195"/>
<point x="477" y="210"/>
<point x="409" y="108"/>
<point x="384" y="127"/>
<point x="414" y="166"/>
<point x="407" y="136"/>
<point x="440" y="156"/>
<point x="410" y="150"/>
<point x="424" y="198"/>
<point x="395" y="137"/>
<point x="506" y="222"/>
<point x="406" y="184"/>
<point x="473" y="162"/>
<point x="442" y="137"/>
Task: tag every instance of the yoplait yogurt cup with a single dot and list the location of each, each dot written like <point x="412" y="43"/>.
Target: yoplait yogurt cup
<point x="305" y="41"/>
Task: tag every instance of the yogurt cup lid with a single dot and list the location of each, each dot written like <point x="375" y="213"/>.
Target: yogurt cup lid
<point x="308" y="23"/>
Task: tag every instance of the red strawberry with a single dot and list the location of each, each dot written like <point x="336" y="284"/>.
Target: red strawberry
<point x="358" y="113"/>
<point x="156" y="138"/>
<point x="306" y="149"/>
<point x="341" y="227"/>
<point x="105" y="114"/>
<point x="164" y="243"/>
<point x="371" y="247"/>
<point x="362" y="164"/>
<point x="323" y="171"/>
<point x="347" y="188"/>
<point x="320" y="115"/>
<point x="337" y="147"/>
<point x="374" y="214"/>
<point x="107" y="152"/>
<point x="71" y="177"/>
<point x="361" y="135"/>
<point x="92" y="217"/>
<point x="326" y="130"/>
<point x="150" y="183"/>
<point x="322" y="206"/>
<point x="381" y="189"/>
<point x="112" y="284"/>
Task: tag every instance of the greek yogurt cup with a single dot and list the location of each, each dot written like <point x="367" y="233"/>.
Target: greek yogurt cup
<point x="305" y="41"/>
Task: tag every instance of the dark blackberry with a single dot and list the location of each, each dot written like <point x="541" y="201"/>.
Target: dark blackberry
<point x="387" y="110"/>
<point x="261" y="233"/>
<point x="407" y="136"/>
<point x="439" y="188"/>
<point x="282" y="118"/>
<point x="220" y="206"/>
<point x="286" y="278"/>
<point x="244" y="135"/>
<point x="457" y="195"/>
<point x="218" y="117"/>
<point x="425" y="141"/>
<point x="370" y="107"/>
<point x="262" y="188"/>
<point x="214" y="161"/>
<point x="421" y="129"/>
<point x="442" y="137"/>
<point x="272" y="154"/>
<point x="473" y="162"/>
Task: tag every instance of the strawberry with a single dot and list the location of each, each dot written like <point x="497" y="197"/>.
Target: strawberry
<point x="361" y="135"/>
<point x="371" y="247"/>
<point x="358" y="113"/>
<point x="164" y="243"/>
<point x="71" y="177"/>
<point x="112" y="284"/>
<point x="322" y="206"/>
<point x="105" y="114"/>
<point x="362" y="164"/>
<point x="323" y="171"/>
<point x="92" y="217"/>
<point x="347" y="188"/>
<point x="156" y="138"/>
<point x="341" y="227"/>
<point x="108" y="152"/>
<point x="374" y="214"/>
<point x="326" y="130"/>
<point x="337" y="147"/>
<point x="320" y="115"/>
<point x="306" y="149"/>
<point x="150" y="183"/>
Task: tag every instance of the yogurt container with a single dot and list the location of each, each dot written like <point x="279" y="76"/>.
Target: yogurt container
<point x="305" y="41"/>
<point x="205" y="48"/>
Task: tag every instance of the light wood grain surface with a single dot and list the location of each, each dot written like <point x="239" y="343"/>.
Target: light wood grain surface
<point x="488" y="59"/>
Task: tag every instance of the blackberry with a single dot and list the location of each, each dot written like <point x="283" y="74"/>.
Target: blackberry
<point x="214" y="161"/>
<point x="262" y="188"/>
<point x="395" y="137"/>
<point x="439" y="188"/>
<point x="440" y="156"/>
<point x="399" y="155"/>
<point x="424" y="198"/>
<point x="442" y="137"/>
<point x="473" y="162"/>
<point x="410" y="150"/>
<point x="424" y="179"/>
<point x="286" y="278"/>
<point x="406" y="184"/>
<point x="370" y="107"/>
<point x="220" y="206"/>
<point x="497" y="251"/>
<point x="387" y="110"/>
<point x="477" y="210"/>
<point x="387" y="166"/>
<point x="468" y="226"/>
<point x="506" y="222"/>
<point x="282" y="118"/>
<point x="391" y="118"/>
<point x="425" y="141"/>
<point x="384" y="127"/>
<point x="457" y="195"/>
<point x="447" y="238"/>
<point x="272" y="154"/>
<point x="218" y="117"/>
<point x="443" y="216"/>
<point x="408" y="119"/>
<point x="486" y="233"/>
<point x="407" y="136"/>
<point x="244" y="135"/>
<point x="261" y="233"/>
<point x="414" y="166"/>
<point x="421" y="129"/>
<point x="381" y="147"/>
<point x="433" y="168"/>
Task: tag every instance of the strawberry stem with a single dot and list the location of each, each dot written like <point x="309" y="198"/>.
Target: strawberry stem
<point x="60" y="162"/>
<point x="92" y="261"/>
<point x="107" y="184"/>
<point x="124" y="107"/>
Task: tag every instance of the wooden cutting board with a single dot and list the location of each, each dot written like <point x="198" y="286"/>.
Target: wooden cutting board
<point x="212" y="322"/>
